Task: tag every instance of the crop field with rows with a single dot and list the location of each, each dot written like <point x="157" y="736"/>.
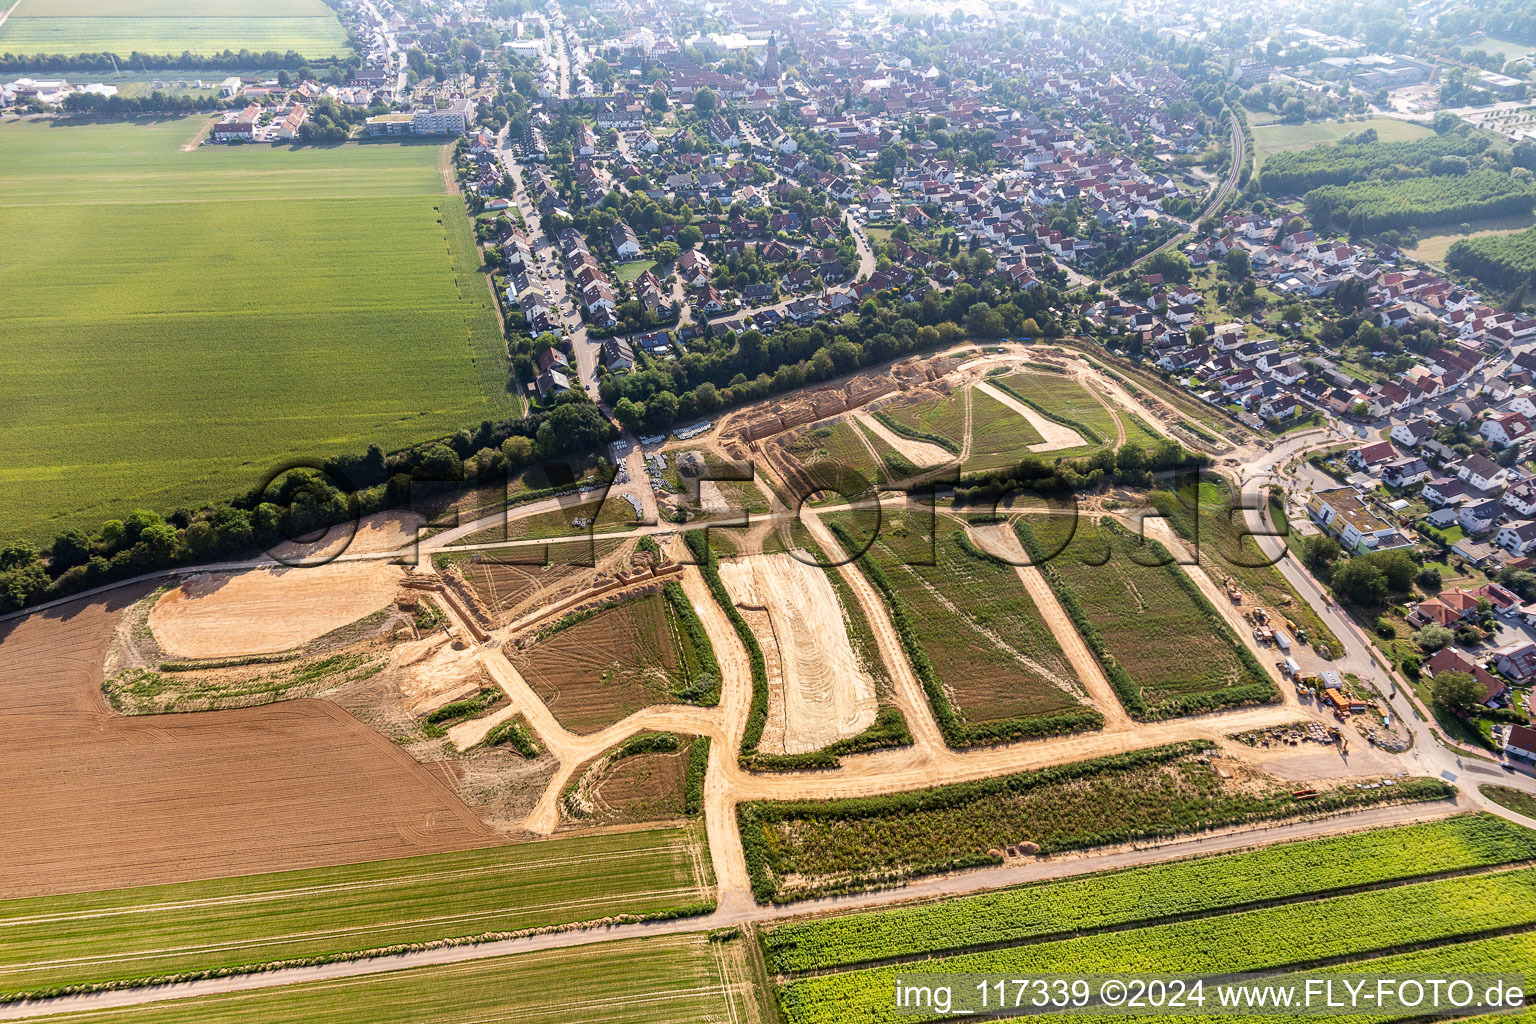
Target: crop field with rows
<point x="989" y="649"/>
<point x="1284" y="872"/>
<point x="170" y="348"/>
<point x="1000" y="437"/>
<point x="809" y="848"/>
<point x="173" y="27"/>
<point x="662" y="980"/>
<point x="1066" y="401"/>
<point x="1166" y="650"/>
<point x="160" y="930"/>
<point x="630" y="654"/>
<point x="1452" y="917"/>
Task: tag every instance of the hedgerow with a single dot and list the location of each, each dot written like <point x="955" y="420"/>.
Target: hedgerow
<point x="847" y="845"/>
<point x="514" y="732"/>
<point x="698" y="766"/>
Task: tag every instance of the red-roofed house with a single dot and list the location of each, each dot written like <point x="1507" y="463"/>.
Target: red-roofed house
<point x="1372" y="455"/>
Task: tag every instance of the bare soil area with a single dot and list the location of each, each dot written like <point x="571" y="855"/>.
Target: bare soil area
<point x="110" y="801"/>
<point x="264" y="611"/>
<point x="600" y="670"/>
<point x="383" y="531"/>
<point x="827" y="695"/>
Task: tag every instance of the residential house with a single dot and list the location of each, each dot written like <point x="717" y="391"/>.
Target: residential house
<point x="1412" y="433"/>
<point x="1478" y="517"/>
<point x="1370" y="455"/>
<point x="1517" y="661"/>
<point x="1447" y="659"/>
<point x="617" y="355"/>
<point x="1404" y="472"/>
<point x="1518" y="538"/>
<point x="1505" y="430"/>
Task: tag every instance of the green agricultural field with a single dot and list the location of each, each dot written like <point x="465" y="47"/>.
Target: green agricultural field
<point x="179" y="323"/>
<point x="661" y="980"/>
<point x="200" y="27"/>
<point x="1000" y="437"/>
<point x="52" y="941"/>
<point x="1166" y="650"/>
<point x="939" y="420"/>
<point x="829" y="452"/>
<point x="991" y="666"/>
<point x="1289" y="871"/>
<point x="1269" y="139"/>
<point x="1064" y="400"/>
<point x="1356" y="933"/>
<point x="814" y="847"/>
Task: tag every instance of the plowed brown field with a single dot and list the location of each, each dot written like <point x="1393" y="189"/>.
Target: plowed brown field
<point x="95" y="800"/>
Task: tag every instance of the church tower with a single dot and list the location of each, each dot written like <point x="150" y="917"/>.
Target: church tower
<point x="771" y="69"/>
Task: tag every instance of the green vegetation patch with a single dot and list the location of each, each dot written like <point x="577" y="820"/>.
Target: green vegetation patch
<point x="1516" y="800"/>
<point x="164" y="930"/>
<point x="224" y="333"/>
<point x="1166" y="650"/>
<point x="1312" y="868"/>
<point x="1298" y="171"/>
<point x="810" y="848"/>
<point x="200" y="27"/>
<point x="1370" y="206"/>
<point x="1064" y="400"/>
<point x="1504" y="261"/>
<point x="999" y="436"/>
<point x="1346" y="927"/>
